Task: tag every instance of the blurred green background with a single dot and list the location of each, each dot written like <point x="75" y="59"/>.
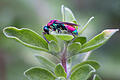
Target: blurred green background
<point x="34" y="14"/>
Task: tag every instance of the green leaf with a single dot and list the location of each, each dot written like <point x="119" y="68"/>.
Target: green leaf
<point x="63" y="12"/>
<point x="39" y="74"/>
<point x="59" y="71"/>
<point x="50" y="37"/>
<point x="60" y="78"/>
<point x="27" y="37"/>
<point x="68" y="15"/>
<point x="73" y="49"/>
<point x="96" y="77"/>
<point x="50" y="57"/>
<point x="47" y="64"/>
<point x="98" y="40"/>
<point x="65" y="37"/>
<point x="82" y="73"/>
<point x="85" y="26"/>
<point x="92" y="63"/>
<point x="54" y="48"/>
<point x="82" y="40"/>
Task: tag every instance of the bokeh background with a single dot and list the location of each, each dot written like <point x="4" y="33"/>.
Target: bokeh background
<point x="34" y="14"/>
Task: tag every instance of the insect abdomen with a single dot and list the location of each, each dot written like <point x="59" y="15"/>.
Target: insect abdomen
<point x="70" y="28"/>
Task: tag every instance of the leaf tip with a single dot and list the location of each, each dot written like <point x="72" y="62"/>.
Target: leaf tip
<point x="7" y="28"/>
<point x="92" y="17"/>
<point x="110" y="32"/>
<point x="25" y="72"/>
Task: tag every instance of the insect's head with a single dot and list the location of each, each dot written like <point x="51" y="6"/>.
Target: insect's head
<point x="46" y="29"/>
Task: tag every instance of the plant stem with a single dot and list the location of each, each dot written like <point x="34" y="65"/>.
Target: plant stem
<point x="64" y="59"/>
<point x="64" y="64"/>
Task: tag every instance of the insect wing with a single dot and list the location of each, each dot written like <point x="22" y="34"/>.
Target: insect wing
<point x="72" y="24"/>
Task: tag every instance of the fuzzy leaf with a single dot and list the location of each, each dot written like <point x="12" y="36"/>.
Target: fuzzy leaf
<point x="59" y="71"/>
<point x="54" y="48"/>
<point x="63" y="12"/>
<point x="39" y="74"/>
<point x="82" y="73"/>
<point x="94" y="64"/>
<point x="68" y="15"/>
<point x="60" y="78"/>
<point x="47" y="64"/>
<point x="65" y="37"/>
<point x="98" y="40"/>
<point x="73" y="49"/>
<point x="50" y="37"/>
<point x="96" y="77"/>
<point x="27" y="37"/>
<point x="82" y="40"/>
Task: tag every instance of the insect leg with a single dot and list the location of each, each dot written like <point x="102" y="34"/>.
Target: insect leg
<point x="59" y="30"/>
<point x="45" y="37"/>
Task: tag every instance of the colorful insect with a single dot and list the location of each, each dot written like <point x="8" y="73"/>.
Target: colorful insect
<point x="58" y="25"/>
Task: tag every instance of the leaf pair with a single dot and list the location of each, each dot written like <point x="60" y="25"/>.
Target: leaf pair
<point x="80" y="45"/>
<point x="84" y="70"/>
<point x="43" y="74"/>
<point x="80" y="71"/>
<point x="48" y="67"/>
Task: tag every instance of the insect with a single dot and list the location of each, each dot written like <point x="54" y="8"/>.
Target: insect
<point x="59" y="25"/>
